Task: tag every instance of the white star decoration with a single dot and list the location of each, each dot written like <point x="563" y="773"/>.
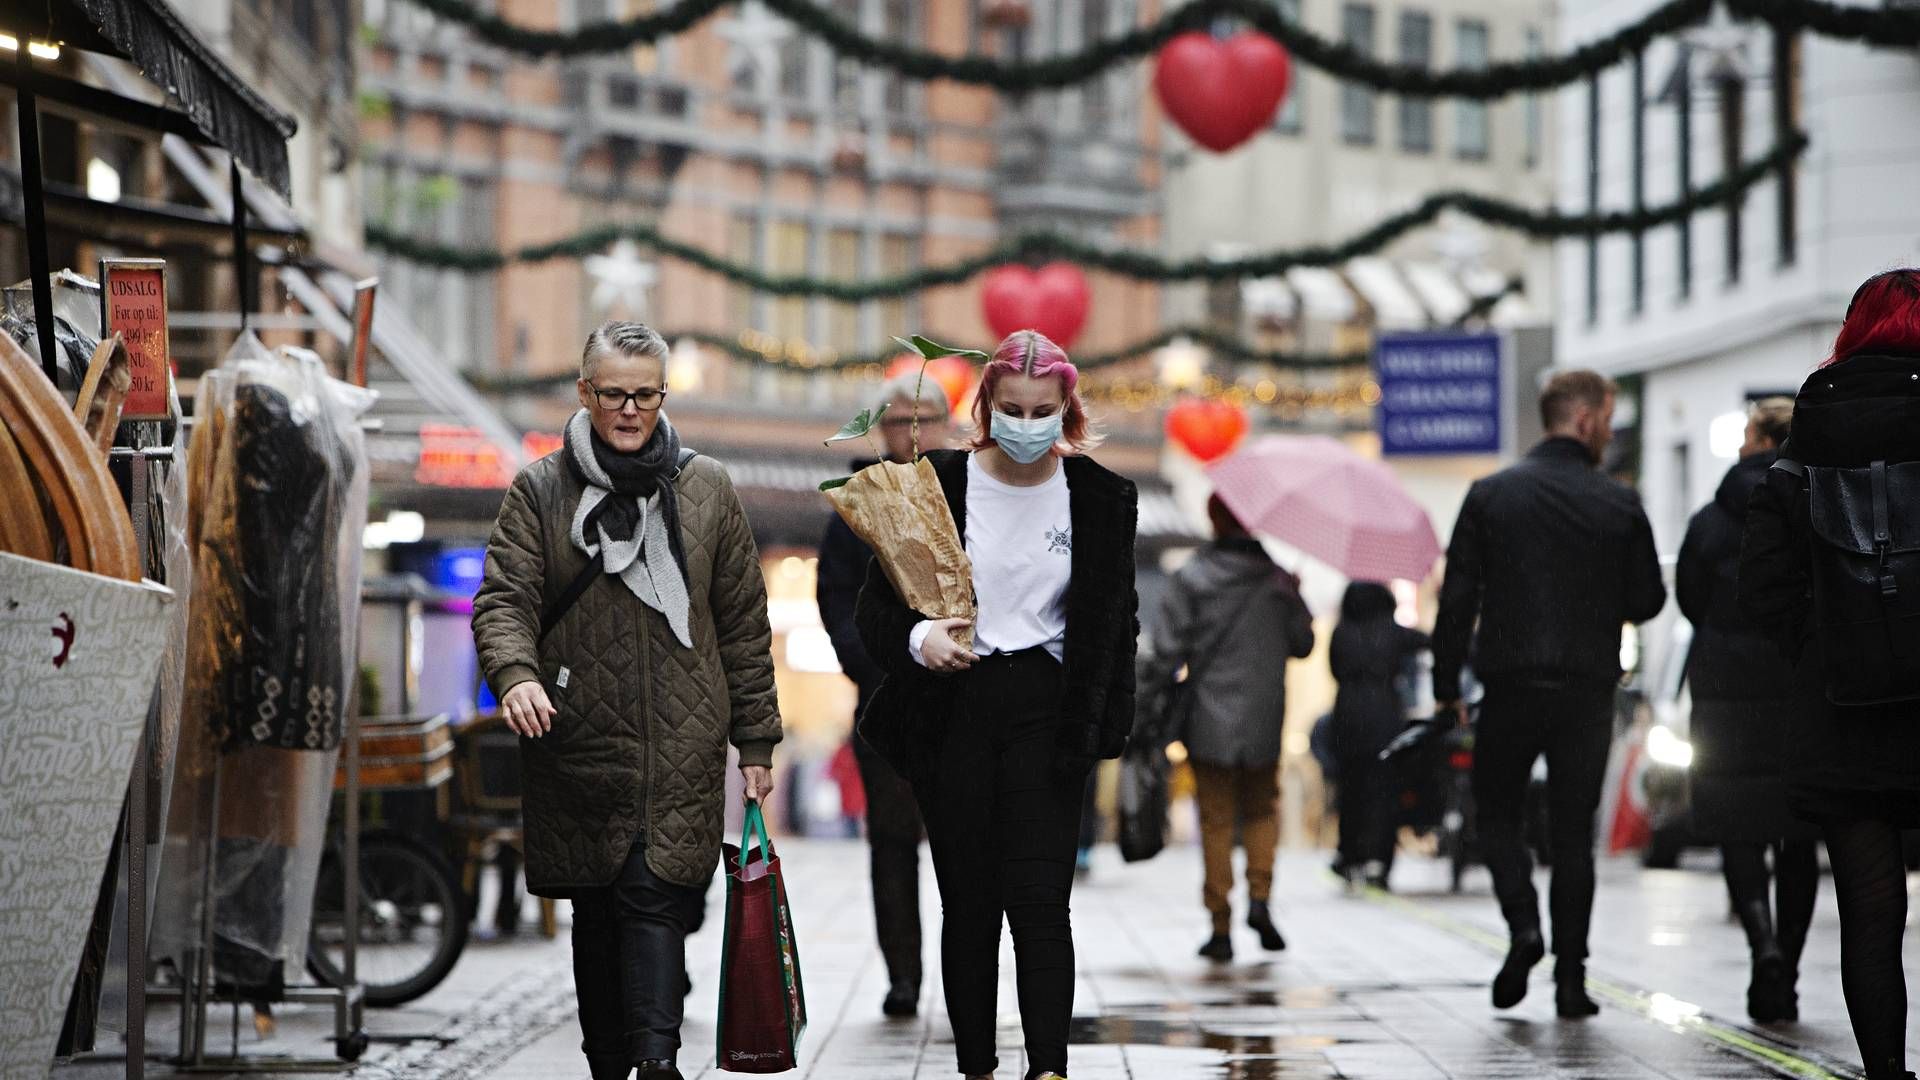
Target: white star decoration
<point x="753" y="38"/>
<point x="621" y="277"/>
<point x="1723" y="44"/>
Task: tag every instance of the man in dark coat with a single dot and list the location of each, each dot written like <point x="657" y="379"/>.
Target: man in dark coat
<point x="1548" y="559"/>
<point x="1743" y="703"/>
<point x="1232" y="618"/>
<point x="893" y="818"/>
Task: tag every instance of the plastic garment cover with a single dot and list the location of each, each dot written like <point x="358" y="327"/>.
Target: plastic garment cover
<point x="277" y="478"/>
<point x="76" y="325"/>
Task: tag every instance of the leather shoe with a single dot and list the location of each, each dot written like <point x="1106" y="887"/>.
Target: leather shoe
<point x="903" y="1000"/>
<point x="659" y="1070"/>
<point x="1219" y="948"/>
<point x="1510" y="986"/>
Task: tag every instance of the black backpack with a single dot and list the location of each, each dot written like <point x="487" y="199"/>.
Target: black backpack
<point x="1866" y="578"/>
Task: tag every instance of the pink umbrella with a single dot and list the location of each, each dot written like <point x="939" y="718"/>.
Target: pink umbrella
<point x="1316" y="494"/>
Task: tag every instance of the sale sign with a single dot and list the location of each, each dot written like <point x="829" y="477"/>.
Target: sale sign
<point x="133" y="296"/>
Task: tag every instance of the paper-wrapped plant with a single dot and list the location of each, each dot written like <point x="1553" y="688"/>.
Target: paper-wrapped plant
<point x="902" y="513"/>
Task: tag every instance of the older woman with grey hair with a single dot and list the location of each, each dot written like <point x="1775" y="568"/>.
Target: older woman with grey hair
<point x="622" y="622"/>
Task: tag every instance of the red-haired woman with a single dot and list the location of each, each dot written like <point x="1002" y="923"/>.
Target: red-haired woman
<point x="1854" y="769"/>
<point x="998" y="739"/>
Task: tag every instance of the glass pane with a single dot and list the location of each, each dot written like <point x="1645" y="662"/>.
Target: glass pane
<point x="843" y="262"/>
<point x="1416" y="50"/>
<point x="1291" y="117"/>
<point x="1356" y="102"/>
<point x="896" y="257"/>
<point x="1474" y="123"/>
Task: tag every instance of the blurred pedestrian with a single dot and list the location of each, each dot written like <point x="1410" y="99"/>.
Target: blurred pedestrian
<point x="1370" y="650"/>
<point x="1231" y="619"/>
<point x="1853" y="769"/>
<point x="997" y="739"/>
<point x="1742" y="704"/>
<point x="893" y="820"/>
<point x="622" y="623"/>
<point x="1549" y="558"/>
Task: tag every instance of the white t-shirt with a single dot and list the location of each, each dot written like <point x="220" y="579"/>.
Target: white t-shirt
<point x="1021" y="542"/>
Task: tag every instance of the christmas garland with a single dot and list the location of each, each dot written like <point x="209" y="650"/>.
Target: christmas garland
<point x="1879" y="27"/>
<point x="1044" y="246"/>
<point x="873" y="365"/>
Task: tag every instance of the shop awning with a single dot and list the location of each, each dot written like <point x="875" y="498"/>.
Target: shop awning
<point x="150" y="35"/>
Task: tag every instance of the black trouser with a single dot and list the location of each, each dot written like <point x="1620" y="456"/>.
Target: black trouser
<point x="630" y="966"/>
<point x="1781" y="920"/>
<point x="1573" y="726"/>
<point x="1004" y="827"/>
<point x="1367" y="812"/>
<point x="893" y="842"/>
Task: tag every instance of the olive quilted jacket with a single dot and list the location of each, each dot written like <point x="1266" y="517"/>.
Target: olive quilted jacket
<point x="643" y="724"/>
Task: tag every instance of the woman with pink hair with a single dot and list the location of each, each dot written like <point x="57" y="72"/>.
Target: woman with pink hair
<point x="998" y="738"/>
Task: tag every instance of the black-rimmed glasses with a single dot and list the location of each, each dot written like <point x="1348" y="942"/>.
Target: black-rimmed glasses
<point x="646" y="399"/>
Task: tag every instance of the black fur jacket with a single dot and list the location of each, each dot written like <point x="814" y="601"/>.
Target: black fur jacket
<point x="907" y="717"/>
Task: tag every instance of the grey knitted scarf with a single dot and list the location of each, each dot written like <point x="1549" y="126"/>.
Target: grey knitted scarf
<point x="644" y="560"/>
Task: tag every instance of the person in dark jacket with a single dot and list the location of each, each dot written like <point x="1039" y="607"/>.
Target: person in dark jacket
<point x="1853" y="770"/>
<point x="893" y="821"/>
<point x="1232" y="619"/>
<point x="997" y="737"/>
<point x="1369" y="652"/>
<point x="1742" y="701"/>
<point x="1549" y="558"/>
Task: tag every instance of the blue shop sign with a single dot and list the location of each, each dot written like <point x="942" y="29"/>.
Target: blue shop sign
<point x="1439" y="393"/>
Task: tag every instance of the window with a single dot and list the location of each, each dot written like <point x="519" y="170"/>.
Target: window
<point x="1356" y="102"/>
<point x="1291" y="119"/>
<point x="843" y="262"/>
<point x="1536" y="113"/>
<point x="1095" y="93"/>
<point x="1473" y="138"/>
<point x="896" y="257"/>
<point x="1416" y="50"/>
<point x="846" y="71"/>
<point x="787" y="254"/>
<point x="796" y="66"/>
<point x="897" y="16"/>
<point x="740" y="248"/>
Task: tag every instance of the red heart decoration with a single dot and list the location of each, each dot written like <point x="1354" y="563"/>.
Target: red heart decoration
<point x="1205" y="427"/>
<point x="1053" y="300"/>
<point x="1221" y="92"/>
<point x="954" y="375"/>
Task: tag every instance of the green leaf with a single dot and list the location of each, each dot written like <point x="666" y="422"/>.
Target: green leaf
<point x="829" y="485"/>
<point x="933" y="350"/>
<point x="859" y="426"/>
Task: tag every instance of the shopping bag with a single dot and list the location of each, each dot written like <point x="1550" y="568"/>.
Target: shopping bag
<point x="1143" y="802"/>
<point x="763" y="1006"/>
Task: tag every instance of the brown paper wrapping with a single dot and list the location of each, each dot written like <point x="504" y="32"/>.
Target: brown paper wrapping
<point x="902" y="513"/>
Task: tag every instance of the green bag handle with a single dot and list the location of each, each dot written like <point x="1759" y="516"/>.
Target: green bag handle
<point x="754" y="820"/>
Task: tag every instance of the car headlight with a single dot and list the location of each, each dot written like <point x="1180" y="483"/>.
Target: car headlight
<point x="1668" y="749"/>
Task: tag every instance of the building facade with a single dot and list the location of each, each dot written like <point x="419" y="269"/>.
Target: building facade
<point x="1736" y="303"/>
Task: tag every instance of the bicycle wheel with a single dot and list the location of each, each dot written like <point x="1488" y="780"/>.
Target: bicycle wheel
<point x="413" y="919"/>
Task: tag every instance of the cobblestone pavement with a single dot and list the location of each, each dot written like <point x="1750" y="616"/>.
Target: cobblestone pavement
<point x="1386" y="987"/>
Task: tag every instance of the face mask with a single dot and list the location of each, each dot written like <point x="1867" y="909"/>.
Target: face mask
<point x="1026" y="441"/>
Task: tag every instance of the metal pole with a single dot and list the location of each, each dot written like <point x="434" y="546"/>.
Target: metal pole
<point x="35" y="200"/>
<point x="241" y="271"/>
<point x="137" y="809"/>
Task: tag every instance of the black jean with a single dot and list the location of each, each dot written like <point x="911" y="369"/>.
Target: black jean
<point x="630" y="966"/>
<point x="893" y="843"/>
<point x="1573" y="726"/>
<point x="1004" y="827"/>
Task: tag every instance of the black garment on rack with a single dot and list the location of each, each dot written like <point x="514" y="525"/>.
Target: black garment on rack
<point x="291" y="475"/>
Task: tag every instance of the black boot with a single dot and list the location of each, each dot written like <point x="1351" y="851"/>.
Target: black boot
<point x="1261" y="920"/>
<point x="1768" y="987"/>
<point x="659" y="1070"/>
<point x="609" y="1069"/>
<point x="903" y="1000"/>
<point x="1219" y="948"/>
<point x="1526" y="949"/>
<point x="1570" y="992"/>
